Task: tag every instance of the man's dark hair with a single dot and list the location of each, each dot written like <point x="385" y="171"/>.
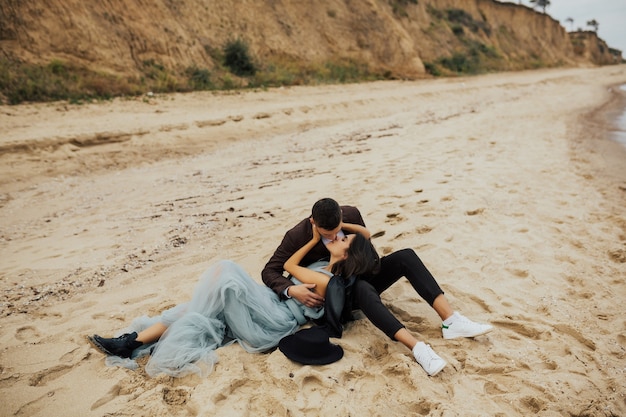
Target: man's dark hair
<point x="326" y="213"/>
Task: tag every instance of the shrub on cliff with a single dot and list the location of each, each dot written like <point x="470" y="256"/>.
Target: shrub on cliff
<point x="237" y="58"/>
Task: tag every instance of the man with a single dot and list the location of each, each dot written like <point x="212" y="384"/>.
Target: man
<point x="333" y="222"/>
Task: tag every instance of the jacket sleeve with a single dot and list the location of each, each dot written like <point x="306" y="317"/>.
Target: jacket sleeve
<point x="352" y="215"/>
<point x="272" y="273"/>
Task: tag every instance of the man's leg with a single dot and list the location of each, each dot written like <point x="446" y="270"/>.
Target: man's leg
<point x="368" y="300"/>
<point x="406" y="263"/>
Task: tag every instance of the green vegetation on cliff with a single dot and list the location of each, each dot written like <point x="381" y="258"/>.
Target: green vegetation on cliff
<point x="61" y="80"/>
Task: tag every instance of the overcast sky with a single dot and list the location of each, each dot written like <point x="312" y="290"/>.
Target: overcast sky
<point x="610" y="14"/>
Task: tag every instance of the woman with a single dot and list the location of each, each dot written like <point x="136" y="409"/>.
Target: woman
<point x="227" y="306"/>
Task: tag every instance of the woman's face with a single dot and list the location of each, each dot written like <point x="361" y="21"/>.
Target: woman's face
<point x="339" y="247"/>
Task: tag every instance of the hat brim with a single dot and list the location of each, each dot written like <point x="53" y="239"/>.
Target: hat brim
<point x="289" y="346"/>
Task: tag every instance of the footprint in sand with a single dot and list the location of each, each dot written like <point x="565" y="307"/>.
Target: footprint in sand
<point x="386" y="250"/>
<point x="618" y="255"/>
<point x="423" y="230"/>
<point x="27" y="333"/>
<point x="316" y="388"/>
<point x="522" y="329"/>
<point x="547" y="362"/>
<point x="232" y="387"/>
<point x="532" y="404"/>
<point x="520" y="273"/>
<point x="493" y="388"/>
<point x="170" y="127"/>
<point x="480" y="302"/>
<point x="113" y="393"/>
<point x="205" y="123"/>
<point x="422" y="407"/>
<point x="49" y="374"/>
<point x="176" y="396"/>
<point x="569" y="330"/>
<point x="32" y="408"/>
<point x="69" y="361"/>
<point x="394" y="218"/>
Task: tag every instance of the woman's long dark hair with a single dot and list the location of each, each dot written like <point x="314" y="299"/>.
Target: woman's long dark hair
<point x="362" y="259"/>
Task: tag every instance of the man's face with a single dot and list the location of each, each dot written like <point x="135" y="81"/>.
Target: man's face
<point x="328" y="234"/>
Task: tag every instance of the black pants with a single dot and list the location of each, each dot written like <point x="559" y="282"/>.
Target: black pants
<point x="367" y="290"/>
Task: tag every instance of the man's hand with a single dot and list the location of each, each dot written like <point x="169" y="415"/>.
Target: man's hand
<point x="304" y="293"/>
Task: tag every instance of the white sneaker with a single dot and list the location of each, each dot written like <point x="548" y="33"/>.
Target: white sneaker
<point x="463" y="327"/>
<point x="428" y="359"/>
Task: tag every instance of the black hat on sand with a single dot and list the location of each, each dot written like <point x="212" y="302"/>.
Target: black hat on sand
<point x="310" y="347"/>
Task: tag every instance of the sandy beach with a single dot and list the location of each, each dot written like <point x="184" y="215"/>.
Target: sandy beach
<point x="504" y="184"/>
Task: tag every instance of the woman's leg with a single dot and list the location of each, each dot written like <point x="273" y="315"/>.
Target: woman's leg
<point x="124" y="345"/>
<point x="152" y="333"/>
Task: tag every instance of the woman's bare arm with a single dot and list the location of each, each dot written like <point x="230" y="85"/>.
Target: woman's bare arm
<point x="356" y="228"/>
<point x="304" y="274"/>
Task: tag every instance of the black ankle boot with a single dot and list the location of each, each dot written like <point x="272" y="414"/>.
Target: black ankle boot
<point x="122" y="346"/>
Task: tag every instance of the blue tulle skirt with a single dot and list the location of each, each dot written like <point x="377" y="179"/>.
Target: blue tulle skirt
<point x="227" y="306"/>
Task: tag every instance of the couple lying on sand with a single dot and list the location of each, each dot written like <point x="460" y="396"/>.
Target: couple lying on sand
<point x="333" y="269"/>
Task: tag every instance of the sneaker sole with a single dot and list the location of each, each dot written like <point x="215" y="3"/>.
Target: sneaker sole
<point x="473" y="335"/>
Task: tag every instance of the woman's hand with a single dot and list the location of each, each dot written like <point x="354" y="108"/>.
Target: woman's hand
<point x="316" y="234"/>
